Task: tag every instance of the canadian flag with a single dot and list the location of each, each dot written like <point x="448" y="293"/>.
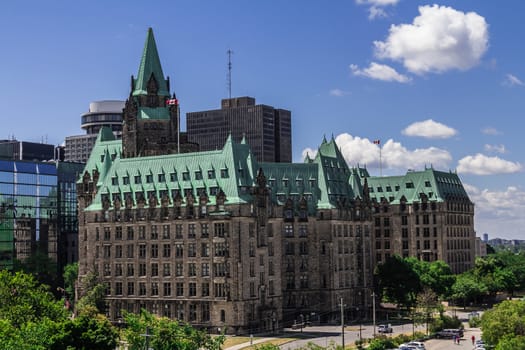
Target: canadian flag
<point x="377" y="142"/>
<point x="172" y="101"/>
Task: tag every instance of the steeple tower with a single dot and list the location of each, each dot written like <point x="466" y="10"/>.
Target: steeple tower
<point x="150" y="116"/>
<point x="150" y="76"/>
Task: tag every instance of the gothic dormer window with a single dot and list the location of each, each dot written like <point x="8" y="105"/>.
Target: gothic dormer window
<point x="288" y="210"/>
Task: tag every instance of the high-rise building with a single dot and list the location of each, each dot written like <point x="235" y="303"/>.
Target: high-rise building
<point x="266" y="129"/>
<point x="30" y="151"/>
<point x="101" y="113"/>
<point x="37" y="211"/>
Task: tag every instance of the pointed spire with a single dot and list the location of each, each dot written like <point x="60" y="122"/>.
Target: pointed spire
<point x="150" y="70"/>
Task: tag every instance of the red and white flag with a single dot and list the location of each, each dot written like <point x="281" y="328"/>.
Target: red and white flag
<point x="377" y="142"/>
<point x="172" y="101"/>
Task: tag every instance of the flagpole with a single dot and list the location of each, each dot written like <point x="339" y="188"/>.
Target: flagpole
<point x="380" y="162"/>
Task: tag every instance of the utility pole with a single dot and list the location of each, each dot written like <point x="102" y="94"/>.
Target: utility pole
<point x="374" y="311"/>
<point x="342" y="324"/>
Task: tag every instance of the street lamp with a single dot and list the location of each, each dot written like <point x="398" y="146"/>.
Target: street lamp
<point x="374" y="312"/>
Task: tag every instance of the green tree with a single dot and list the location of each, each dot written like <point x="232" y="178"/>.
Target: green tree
<point x="94" y="292"/>
<point x="70" y="278"/>
<point x="397" y="281"/>
<point x="24" y="300"/>
<point x="435" y="275"/>
<point x="166" y="334"/>
<point x="467" y="288"/>
<point x="505" y="321"/>
<point x="511" y="343"/>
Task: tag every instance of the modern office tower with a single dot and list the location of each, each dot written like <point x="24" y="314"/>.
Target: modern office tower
<point x="101" y="113"/>
<point x="217" y="238"/>
<point x="266" y="129"/>
<point x="37" y="210"/>
<point x="425" y="214"/>
<point x="30" y="151"/>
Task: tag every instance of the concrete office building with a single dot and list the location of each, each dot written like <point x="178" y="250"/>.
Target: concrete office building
<point x="106" y="113"/>
<point x="266" y="129"/>
<point x="30" y="151"/>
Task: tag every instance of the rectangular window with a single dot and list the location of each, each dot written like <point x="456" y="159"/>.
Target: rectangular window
<point x="179" y="269"/>
<point x="191" y="230"/>
<point x="154" y="269"/>
<point x="162" y="177"/>
<point x="118" y="288"/>
<point x="166" y="251"/>
<point x="192" y="250"/>
<point x="142" y="232"/>
<point x="178" y="231"/>
<point x="192" y="289"/>
<point x="173" y="177"/>
<point x="205" y="230"/>
<point x="130" y="250"/>
<point x="288" y="230"/>
<point x="166" y="269"/>
<point x="205" y="269"/>
<point x="154" y="288"/>
<point x="142" y="288"/>
<point x="205" y="289"/>
<point x="179" y="250"/>
<point x="118" y="232"/>
<point x="180" y="289"/>
<point x="142" y="269"/>
<point x="211" y="174"/>
<point x="154" y="232"/>
<point x="137" y="179"/>
<point x="154" y="250"/>
<point x="167" y="289"/>
<point x="130" y="233"/>
<point x="130" y="270"/>
<point x="192" y="270"/>
<point x="205" y="249"/>
<point x="142" y="251"/>
<point x="131" y="288"/>
<point x="149" y="179"/>
<point x="165" y="231"/>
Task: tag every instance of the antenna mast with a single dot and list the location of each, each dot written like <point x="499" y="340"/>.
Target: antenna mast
<point x="229" y="52"/>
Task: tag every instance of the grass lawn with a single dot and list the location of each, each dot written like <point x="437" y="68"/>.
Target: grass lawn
<point x="232" y="341"/>
<point x="276" y="341"/>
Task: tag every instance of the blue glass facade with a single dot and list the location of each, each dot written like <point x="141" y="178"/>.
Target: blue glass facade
<point x="37" y="210"/>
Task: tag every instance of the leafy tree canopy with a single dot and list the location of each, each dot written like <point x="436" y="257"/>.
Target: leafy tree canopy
<point x="397" y="281"/>
<point x="504" y="322"/>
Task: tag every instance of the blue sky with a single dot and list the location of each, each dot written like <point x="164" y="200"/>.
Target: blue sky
<point x="439" y="83"/>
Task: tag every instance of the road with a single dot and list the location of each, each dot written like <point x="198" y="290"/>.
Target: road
<point x="325" y="335"/>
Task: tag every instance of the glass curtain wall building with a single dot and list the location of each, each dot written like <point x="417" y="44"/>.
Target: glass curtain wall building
<point x="37" y="211"/>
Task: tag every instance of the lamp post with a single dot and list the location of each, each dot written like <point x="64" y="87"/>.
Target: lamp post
<point x="374" y="312"/>
<point x="342" y="324"/>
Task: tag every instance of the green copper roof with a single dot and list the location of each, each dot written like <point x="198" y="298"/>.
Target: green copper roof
<point x="322" y="182"/>
<point x="436" y="185"/>
<point x="150" y="66"/>
<point x="154" y="113"/>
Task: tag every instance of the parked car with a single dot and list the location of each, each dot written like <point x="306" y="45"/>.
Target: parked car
<point x="419" y="345"/>
<point x="406" y="347"/>
<point x="384" y="328"/>
<point x="449" y="333"/>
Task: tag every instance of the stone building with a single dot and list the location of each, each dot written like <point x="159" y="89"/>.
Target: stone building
<point x="219" y="238"/>
<point x="426" y="214"/>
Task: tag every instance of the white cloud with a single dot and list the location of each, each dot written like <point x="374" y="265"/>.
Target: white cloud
<point x="495" y="148"/>
<point x="480" y="164"/>
<point x="491" y="131"/>
<point x="379" y="72"/>
<point x="439" y="39"/>
<point x="499" y="213"/>
<point x="429" y="129"/>
<point x="339" y="92"/>
<point x="376" y="9"/>
<point x="512" y="80"/>
<point x="362" y="151"/>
